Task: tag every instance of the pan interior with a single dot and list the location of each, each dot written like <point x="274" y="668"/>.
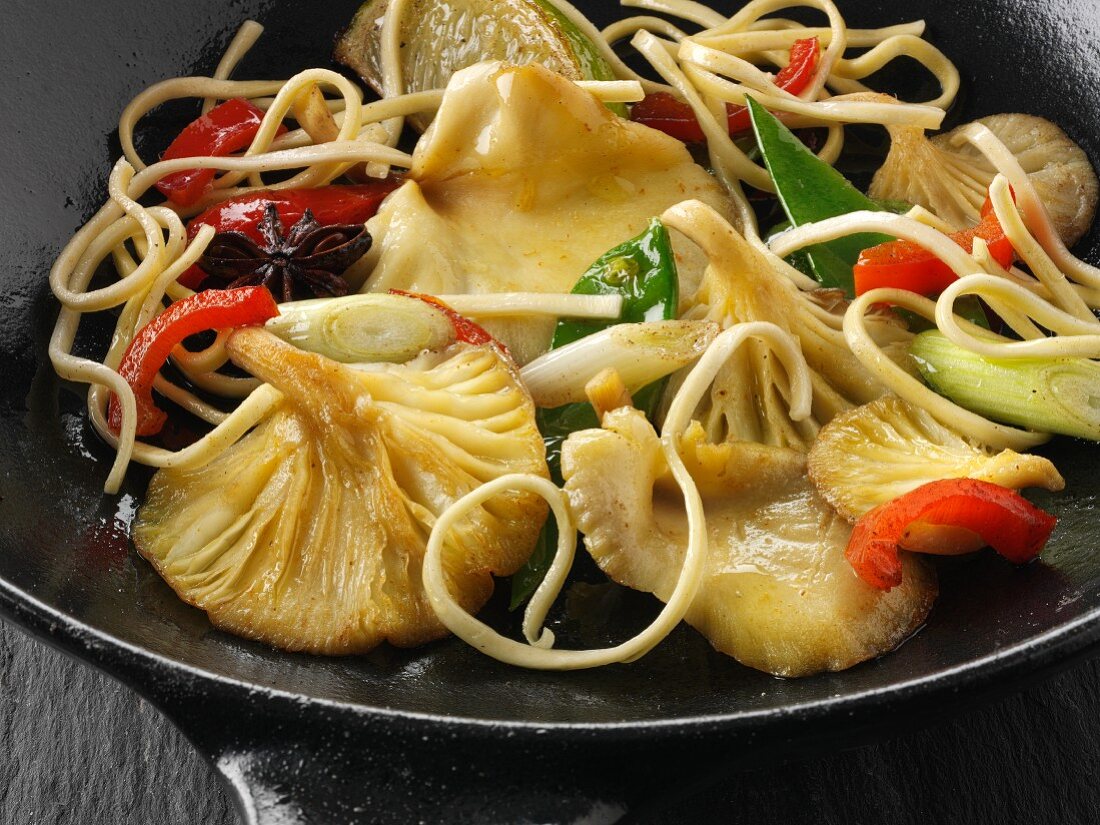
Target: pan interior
<point x="64" y="543"/>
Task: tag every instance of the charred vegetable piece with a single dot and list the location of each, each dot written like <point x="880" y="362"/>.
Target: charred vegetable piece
<point x="1004" y="519"/>
<point x="227" y="128"/>
<point x="643" y="271"/>
<point x="440" y="37"/>
<point x="147" y="353"/>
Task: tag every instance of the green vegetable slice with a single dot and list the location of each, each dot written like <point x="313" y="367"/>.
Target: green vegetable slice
<point x="440" y="37"/>
<point x="1051" y="395"/>
<point x="643" y="271"/>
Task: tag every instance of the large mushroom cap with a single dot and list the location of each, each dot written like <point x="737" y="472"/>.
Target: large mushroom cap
<point x="309" y="532"/>
<point x="778" y="593"/>
<point x="522" y="181"/>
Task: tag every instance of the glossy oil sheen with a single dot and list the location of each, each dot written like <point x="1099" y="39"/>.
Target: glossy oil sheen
<point x="442" y="729"/>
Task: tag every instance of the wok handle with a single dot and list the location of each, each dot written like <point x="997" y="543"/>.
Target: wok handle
<point x="289" y="763"/>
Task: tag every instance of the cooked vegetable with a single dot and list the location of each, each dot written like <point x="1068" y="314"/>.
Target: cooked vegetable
<point x="640" y="354"/>
<point x="777" y="593"/>
<point x="1004" y="519"/>
<point x="364" y="328"/>
<point x="523" y="181"/>
<point x="1053" y="395"/>
<point x="882" y="450"/>
<point x="465" y="329"/>
<point x="225" y="129"/>
<point x="642" y="270"/>
<point x="952" y="180"/>
<point x="906" y="265"/>
<point x="441" y="37"/>
<point x="330" y="205"/>
<point x="811" y="190"/>
<point x="309" y="533"/>
<point x="151" y="346"/>
<point x="662" y="111"/>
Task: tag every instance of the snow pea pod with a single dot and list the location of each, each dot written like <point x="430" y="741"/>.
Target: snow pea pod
<point x="810" y="190"/>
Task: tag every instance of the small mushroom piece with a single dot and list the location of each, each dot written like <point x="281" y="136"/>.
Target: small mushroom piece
<point x="309" y="533"/>
<point x="778" y="593"/>
<point x="953" y="181"/>
<point x="875" y="453"/>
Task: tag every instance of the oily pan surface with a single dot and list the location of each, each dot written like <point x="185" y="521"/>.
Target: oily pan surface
<point x="64" y="544"/>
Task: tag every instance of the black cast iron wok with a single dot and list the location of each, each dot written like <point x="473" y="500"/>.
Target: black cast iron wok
<point x="441" y="733"/>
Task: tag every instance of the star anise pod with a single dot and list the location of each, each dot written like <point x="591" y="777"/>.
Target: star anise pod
<point x="309" y="260"/>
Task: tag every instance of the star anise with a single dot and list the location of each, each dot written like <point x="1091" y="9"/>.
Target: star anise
<point x="310" y="259"/>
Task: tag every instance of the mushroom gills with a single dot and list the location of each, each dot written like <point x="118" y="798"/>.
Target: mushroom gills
<point x="309" y="533"/>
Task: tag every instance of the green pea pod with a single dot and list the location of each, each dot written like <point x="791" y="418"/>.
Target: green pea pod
<point x="643" y="272"/>
<point x="811" y="190"/>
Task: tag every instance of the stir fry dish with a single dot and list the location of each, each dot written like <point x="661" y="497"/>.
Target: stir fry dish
<point x="555" y="285"/>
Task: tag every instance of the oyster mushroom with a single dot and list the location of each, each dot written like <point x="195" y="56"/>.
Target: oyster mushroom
<point x="875" y="453"/>
<point x="747" y="399"/>
<point x="953" y="181"/>
<point x="309" y="532"/>
<point x="523" y="180"/>
<point x="777" y="593"/>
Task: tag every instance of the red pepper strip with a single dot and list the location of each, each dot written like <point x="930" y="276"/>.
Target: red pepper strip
<point x="672" y="116"/>
<point x="665" y="113"/>
<point x="330" y="205"/>
<point x="465" y="329"/>
<point x="215" y="309"/>
<point x="793" y="78"/>
<point x="1004" y="519"/>
<point x="909" y="266"/>
<point x="225" y="129"/>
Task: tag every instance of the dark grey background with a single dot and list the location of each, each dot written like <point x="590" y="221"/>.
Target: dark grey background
<point x="76" y="747"/>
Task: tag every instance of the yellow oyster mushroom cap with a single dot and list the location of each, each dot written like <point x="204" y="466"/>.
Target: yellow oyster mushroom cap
<point x="875" y="453"/>
<point x="521" y="182"/>
<point x="309" y="533"/>
<point x="777" y="592"/>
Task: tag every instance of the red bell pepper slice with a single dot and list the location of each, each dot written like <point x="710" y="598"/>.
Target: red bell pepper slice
<point x="909" y="266"/>
<point x="215" y="309"/>
<point x="672" y="116"/>
<point x="465" y="329"/>
<point x="330" y="205"/>
<point x="1004" y="519"/>
<point x="225" y="129"/>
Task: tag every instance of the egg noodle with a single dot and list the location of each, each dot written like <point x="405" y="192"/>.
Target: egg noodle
<point x="1049" y="306"/>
